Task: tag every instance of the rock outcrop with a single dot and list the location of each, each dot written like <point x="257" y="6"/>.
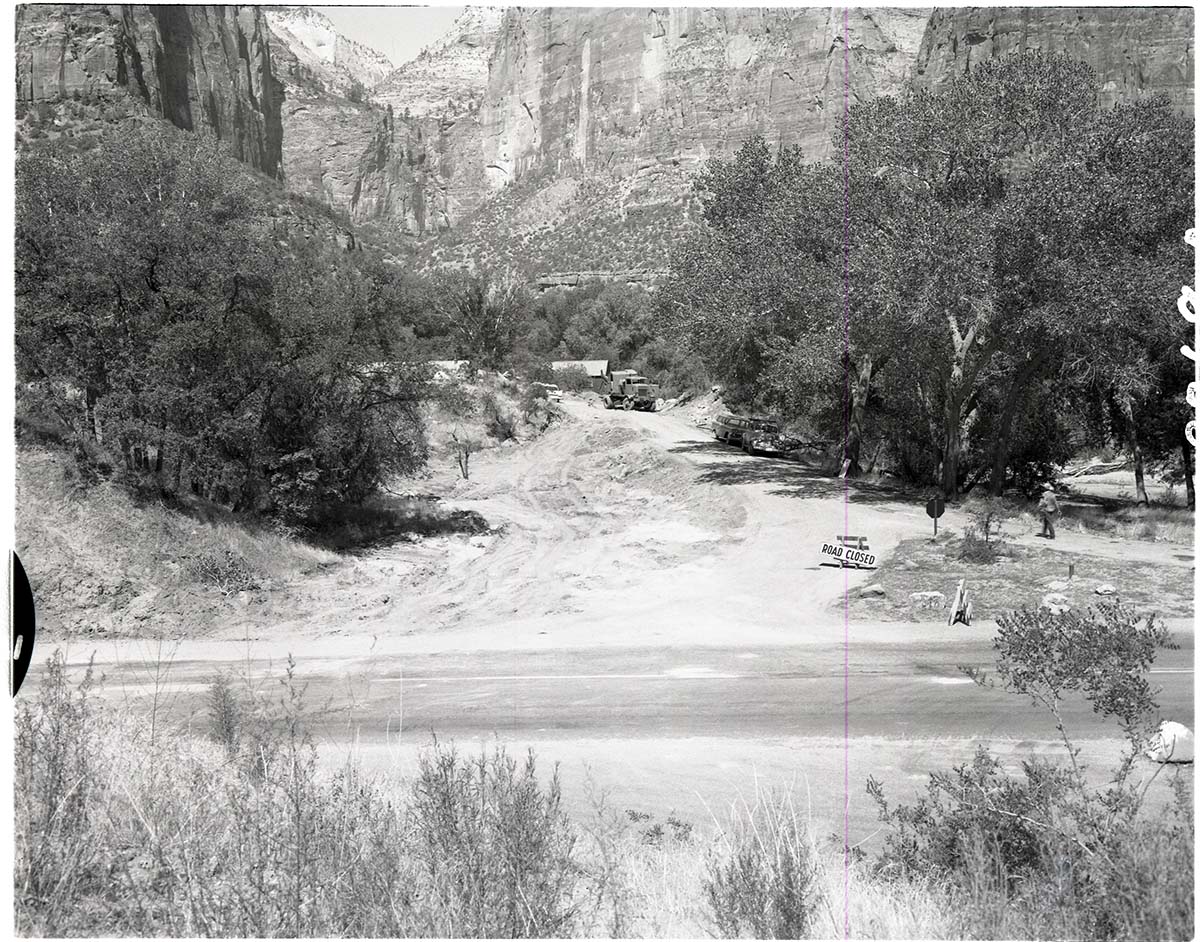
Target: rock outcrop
<point x="206" y="69"/>
<point x="347" y="147"/>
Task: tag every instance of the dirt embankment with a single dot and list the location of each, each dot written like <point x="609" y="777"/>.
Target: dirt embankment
<point x="570" y="507"/>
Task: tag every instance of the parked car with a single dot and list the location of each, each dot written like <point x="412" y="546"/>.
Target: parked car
<point x="769" y="443"/>
<point x="730" y="428"/>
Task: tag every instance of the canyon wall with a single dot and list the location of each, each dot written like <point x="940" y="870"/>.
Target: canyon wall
<point x="206" y="69"/>
<point x="625" y="89"/>
<point x="402" y="153"/>
<point x="639" y="97"/>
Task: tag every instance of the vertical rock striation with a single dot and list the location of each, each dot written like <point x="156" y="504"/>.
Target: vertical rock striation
<point x="625" y="89"/>
<point x="205" y="69"/>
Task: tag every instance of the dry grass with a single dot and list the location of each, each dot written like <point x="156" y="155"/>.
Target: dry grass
<point x="1158" y="523"/>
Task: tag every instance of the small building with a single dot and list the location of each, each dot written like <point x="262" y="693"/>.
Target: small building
<point x="597" y="370"/>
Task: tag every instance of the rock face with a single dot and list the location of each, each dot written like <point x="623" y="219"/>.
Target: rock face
<point x="1134" y="50"/>
<point x="345" y="146"/>
<point x="204" y="69"/>
<point x="551" y="118"/>
<point x="449" y="77"/>
<point x="626" y="89"/>
<point x="316" y="44"/>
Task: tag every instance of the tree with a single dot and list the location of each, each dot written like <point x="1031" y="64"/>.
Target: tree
<point x="175" y="323"/>
<point x="484" y="312"/>
<point x="946" y="165"/>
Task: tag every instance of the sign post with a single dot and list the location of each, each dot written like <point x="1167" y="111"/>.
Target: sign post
<point x="935" y="507"/>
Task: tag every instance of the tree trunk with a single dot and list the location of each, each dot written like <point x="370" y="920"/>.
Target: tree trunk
<point x="953" y="450"/>
<point x="860" y="389"/>
<point x="1139" y="470"/>
<point x="1189" y="471"/>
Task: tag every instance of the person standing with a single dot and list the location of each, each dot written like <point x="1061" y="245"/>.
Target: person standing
<point x="1048" y="506"/>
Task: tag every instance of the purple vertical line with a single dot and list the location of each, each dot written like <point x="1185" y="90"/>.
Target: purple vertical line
<point x="846" y="476"/>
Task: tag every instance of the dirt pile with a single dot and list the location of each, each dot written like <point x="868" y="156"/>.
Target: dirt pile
<point x="631" y="460"/>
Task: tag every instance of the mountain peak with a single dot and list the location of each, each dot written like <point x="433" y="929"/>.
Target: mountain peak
<point x="449" y="73"/>
<point x="314" y="40"/>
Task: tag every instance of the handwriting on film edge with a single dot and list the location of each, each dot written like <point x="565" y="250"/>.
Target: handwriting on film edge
<point x="1187" y="307"/>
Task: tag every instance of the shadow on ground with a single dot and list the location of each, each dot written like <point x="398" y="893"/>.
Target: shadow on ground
<point x="790" y="478"/>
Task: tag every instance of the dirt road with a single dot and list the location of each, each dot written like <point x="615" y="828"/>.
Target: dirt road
<point x="651" y="611"/>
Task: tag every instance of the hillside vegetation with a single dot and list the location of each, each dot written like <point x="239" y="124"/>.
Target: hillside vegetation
<point x="558" y="223"/>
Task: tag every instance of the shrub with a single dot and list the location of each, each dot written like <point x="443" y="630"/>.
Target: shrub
<point x="254" y="387"/>
<point x="224" y="714"/>
<point x="495" y="849"/>
<point x="57" y="771"/>
<point x="226" y="571"/>
<point x="975" y="550"/>
<point x="533" y="400"/>
<point x="988" y="515"/>
<point x="1046" y="854"/>
<point x="500" y="424"/>
<point x="765" y="884"/>
<point x="573" y="379"/>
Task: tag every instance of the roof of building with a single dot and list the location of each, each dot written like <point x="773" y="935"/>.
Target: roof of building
<point x="591" y="367"/>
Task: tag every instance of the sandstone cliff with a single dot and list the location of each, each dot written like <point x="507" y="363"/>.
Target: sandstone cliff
<point x="204" y="69"/>
<point x="345" y="146"/>
<point x="450" y="76"/>
<point x="624" y="89"/>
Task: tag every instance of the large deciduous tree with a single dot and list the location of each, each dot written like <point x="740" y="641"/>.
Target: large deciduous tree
<point x="173" y="318"/>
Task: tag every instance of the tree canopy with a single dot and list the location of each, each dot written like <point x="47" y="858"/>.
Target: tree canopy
<point x="979" y="280"/>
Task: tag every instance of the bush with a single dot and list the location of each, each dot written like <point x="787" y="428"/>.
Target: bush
<point x="533" y="400"/>
<point x="1046" y="854"/>
<point x="766" y="883"/>
<point x="157" y="836"/>
<point x="500" y="424"/>
<point x="226" y="571"/>
<point x="988" y="515"/>
<point x="276" y="384"/>
<point x="58" y="769"/>
<point x="495" y="849"/>
<point x="573" y="379"/>
<point x="975" y="550"/>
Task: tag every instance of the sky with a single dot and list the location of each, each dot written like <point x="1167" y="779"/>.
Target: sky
<point x="398" y="32"/>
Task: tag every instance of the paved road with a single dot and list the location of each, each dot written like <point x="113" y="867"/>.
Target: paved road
<point x="884" y="691"/>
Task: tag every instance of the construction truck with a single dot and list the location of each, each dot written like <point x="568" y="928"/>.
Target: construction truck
<point x="627" y="390"/>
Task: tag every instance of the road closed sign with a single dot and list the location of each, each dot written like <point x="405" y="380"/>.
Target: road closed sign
<point x="850" y="552"/>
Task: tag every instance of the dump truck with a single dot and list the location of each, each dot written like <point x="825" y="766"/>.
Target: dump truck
<point x="628" y="390"/>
